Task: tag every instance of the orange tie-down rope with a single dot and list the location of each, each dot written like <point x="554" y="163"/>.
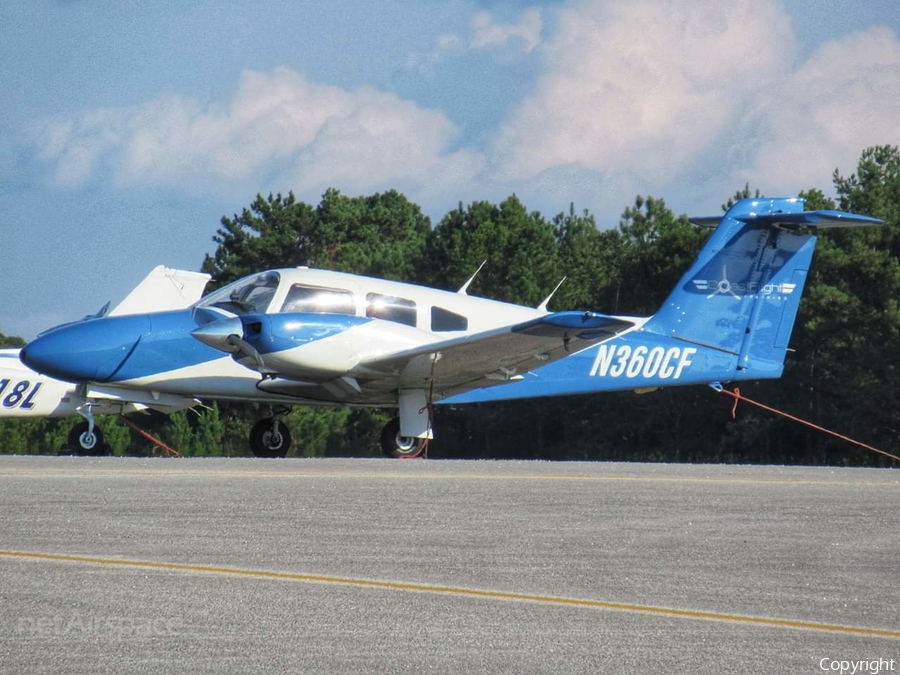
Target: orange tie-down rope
<point x="170" y="452"/>
<point x="738" y="397"/>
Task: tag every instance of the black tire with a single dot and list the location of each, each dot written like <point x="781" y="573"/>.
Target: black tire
<point x="395" y="445"/>
<point x="264" y="443"/>
<point x="80" y="444"/>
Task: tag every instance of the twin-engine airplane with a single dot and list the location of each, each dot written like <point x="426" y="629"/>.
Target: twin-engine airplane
<point x="305" y="336"/>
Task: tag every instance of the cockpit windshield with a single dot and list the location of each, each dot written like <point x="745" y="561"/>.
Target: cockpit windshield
<point x="251" y="295"/>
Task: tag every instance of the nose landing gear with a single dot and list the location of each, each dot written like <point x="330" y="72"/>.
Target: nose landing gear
<point x="85" y="438"/>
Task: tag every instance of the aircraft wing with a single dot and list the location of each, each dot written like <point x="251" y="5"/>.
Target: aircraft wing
<point x="492" y="357"/>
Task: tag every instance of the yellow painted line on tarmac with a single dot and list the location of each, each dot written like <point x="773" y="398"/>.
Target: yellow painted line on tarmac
<point x="459" y="591"/>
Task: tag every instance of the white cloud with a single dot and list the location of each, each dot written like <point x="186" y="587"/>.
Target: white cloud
<point x="277" y="122"/>
<point x="633" y="95"/>
<point x="526" y="34"/>
<point x="844" y="98"/>
<point x="517" y="38"/>
<point x="443" y="46"/>
<point x="381" y="139"/>
<point x="644" y="85"/>
<point x="74" y="148"/>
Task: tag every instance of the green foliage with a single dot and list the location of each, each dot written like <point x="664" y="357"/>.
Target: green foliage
<point x="209" y="432"/>
<point x="381" y="235"/>
<point x="657" y="248"/>
<point x="519" y="250"/>
<point x="739" y="195"/>
<point x="10" y="341"/>
<point x="179" y="435"/>
<point x="115" y="434"/>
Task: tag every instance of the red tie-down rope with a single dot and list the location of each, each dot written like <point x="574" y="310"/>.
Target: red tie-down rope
<point x="738" y="397"/>
<point x="170" y="452"/>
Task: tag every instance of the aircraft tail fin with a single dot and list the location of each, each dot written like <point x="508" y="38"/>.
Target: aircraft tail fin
<point x="729" y="317"/>
<point x="163" y="290"/>
<point x="743" y="291"/>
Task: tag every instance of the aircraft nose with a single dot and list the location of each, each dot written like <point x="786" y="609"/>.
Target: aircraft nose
<point x="217" y="333"/>
<point x="88" y="351"/>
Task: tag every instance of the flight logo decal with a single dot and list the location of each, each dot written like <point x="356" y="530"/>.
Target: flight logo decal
<point x="725" y="286"/>
<point x="621" y="360"/>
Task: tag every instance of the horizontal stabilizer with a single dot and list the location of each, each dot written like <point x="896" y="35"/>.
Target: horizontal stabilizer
<point x="818" y="219"/>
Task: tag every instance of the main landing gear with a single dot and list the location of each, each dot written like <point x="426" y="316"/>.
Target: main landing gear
<point x="270" y="437"/>
<point x="395" y="445"/>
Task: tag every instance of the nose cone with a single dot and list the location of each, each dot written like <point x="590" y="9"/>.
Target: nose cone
<point x="87" y="351"/>
<point x="216" y="334"/>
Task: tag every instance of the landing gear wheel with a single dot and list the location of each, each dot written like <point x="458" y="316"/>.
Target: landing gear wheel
<point x="82" y="443"/>
<point x="267" y="441"/>
<point x="395" y="445"/>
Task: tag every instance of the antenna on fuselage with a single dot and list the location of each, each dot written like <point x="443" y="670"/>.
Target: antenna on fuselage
<point x="543" y="306"/>
<point x="465" y="286"/>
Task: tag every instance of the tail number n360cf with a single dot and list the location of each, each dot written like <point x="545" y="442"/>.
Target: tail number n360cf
<point x="620" y="360"/>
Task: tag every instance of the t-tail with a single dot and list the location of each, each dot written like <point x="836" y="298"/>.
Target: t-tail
<point x="729" y="318"/>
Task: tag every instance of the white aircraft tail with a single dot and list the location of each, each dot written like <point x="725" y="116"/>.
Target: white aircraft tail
<point x="164" y="289"/>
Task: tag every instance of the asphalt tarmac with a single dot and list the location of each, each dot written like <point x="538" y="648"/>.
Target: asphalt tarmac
<point x="378" y="566"/>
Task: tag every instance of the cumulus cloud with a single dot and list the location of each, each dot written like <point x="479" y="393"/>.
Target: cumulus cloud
<point x="521" y="37"/>
<point x="312" y="133"/>
<point x="633" y="94"/>
<point x="425" y="63"/>
<point x="644" y="85"/>
<point x="526" y="33"/>
<point x="75" y="148"/>
<point x="844" y="98"/>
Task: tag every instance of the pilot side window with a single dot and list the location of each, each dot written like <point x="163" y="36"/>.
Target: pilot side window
<point x="391" y="308"/>
<point x="318" y="300"/>
<point x="251" y="295"/>
<point x="443" y="320"/>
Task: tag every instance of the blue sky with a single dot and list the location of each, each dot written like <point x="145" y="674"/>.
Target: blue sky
<point x="128" y="129"/>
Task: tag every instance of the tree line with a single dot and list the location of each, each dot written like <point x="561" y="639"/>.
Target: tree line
<point x="841" y="372"/>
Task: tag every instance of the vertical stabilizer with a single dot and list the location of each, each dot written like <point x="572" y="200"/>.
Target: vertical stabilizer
<point x="743" y="291"/>
<point x="163" y="290"/>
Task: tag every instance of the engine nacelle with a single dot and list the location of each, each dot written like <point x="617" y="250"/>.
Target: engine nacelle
<point x="302" y="346"/>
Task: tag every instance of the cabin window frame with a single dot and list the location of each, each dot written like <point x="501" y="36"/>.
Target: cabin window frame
<point x="395" y="309"/>
<point x="346" y="309"/>
<point x="444" y="320"/>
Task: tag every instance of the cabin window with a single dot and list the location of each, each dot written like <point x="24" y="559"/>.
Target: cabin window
<point x="318" y="300"/>
<point x="391" y="308"/>
<point x="443" y="320"/>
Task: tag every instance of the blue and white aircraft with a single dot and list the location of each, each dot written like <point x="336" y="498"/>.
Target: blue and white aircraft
<point x="316" y="337"/>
